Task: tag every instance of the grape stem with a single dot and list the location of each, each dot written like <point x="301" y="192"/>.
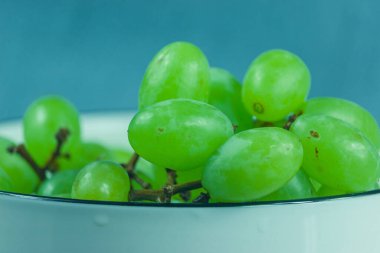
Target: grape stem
<point x="202" y="198"/>
<point x="130" y="168"/>
<point x="141" y="182"/>
<point x="171" y="177"/>
<point x="163" y="195"/>
<point x="21" y="151"/>
<point x="172" y="180"/>
<point x="131" y="165"/>
<point x="61" y="138"/>
<point x="291" y="120"/>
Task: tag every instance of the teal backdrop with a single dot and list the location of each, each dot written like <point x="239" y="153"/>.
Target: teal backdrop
<point x="94" y="52"/>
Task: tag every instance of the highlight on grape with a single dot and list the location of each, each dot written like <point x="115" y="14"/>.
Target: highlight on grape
<point x="199" y="136"/>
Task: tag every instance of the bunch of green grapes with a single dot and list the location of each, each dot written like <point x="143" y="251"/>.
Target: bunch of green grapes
<point x="201" y="136"/>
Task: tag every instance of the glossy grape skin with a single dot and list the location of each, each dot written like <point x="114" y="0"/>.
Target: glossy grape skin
<point x="252" y="164"/>
<point x="179" y="70"/>
<point x="179" y="134"/>
<point x="42" y="120"/>
<point x="59" y="184"/>
<point x="23" y="177"/>
<point x="225" y="94"/>
<point x="299" y="187"/>
<point x="5" y="181"/>
<point x="347" y="111"/>
<point x="101" y="180"/>
<point x="275" y="85"/>
<point x="336" y="154"/>
<point x="150" y="173"/>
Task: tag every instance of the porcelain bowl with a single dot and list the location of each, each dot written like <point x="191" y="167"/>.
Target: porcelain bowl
<point x="346" y="224"/>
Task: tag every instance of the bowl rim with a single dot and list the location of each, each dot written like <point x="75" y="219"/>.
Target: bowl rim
<point x="46" y="199"/>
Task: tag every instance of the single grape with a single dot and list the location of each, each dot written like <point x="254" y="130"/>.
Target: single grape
<point x="347" y="111"/>
<point x="42" y="121"/>
<point x="275" y="85"/>
<point x="22" y="176"/>
<point x="252" y="164"/>
<point x="326" y="191"/>
<point x="5" y="181"/>
<point x="225" y="94"/>
<point x="336" y="154"/>
<point x="150" y="173"/>
<point x="83" y="154"/>
<point x="60" y="183"/>
<point x="179" y="134"/>
<point x="179" y="70"/>
<point x="101" y="180"/>
<point x="299" y="187"/>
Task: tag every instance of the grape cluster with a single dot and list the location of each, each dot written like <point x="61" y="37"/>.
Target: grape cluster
<point x="201" y="136"/>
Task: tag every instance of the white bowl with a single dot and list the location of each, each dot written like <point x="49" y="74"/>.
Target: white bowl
<point x="349" y="224"/>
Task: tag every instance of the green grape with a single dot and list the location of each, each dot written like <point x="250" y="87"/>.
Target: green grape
<point x="63" y="195"/>
<point x="83" y="154"/>
<point x="42" y="121"/>
<point x="276" y="84"/>
<point x="336" y="154"/>
<point x="5" y="181"/>
<point x="347" y="111"/>
<point x="150" y="173"/>
<point x="299" y="187"/>
<point x="190" y="176"/>
<point x="326" y="191"/>
<point x="22" y="176"/>
<point x="179" y="134"/>
<point x="252" y="164"/>
<point x="60" y="183"/>
<point x="225" y="94"/>
<point x="101" y="180"/>
<point x="179" y="70"/>
<point x="122" y="155"/>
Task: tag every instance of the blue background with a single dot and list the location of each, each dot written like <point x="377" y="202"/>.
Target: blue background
<point x="95" y="52"/>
